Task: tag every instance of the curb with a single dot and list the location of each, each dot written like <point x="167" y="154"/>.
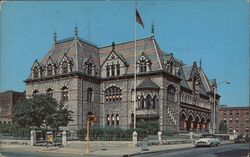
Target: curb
<point x="154" y="152"/>
<point x="161" y="151"/>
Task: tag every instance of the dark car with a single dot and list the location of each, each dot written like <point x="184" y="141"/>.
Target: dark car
<point x="241" y="139"/>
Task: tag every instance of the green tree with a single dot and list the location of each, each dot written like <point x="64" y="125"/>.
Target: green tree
<point x="150" y="126"/>
<point x="41" y="111"/>
<point x="61" y="118"/>
<point x="222" y="127"/>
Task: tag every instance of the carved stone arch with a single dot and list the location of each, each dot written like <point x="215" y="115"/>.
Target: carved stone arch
<point x="184" y="115"/>
<point x="197" y="117"/>
<point x="191" y="115"/>
<point x="64" y="85"/>
<point x="208" y="119"/>
<point x="203" y="118"/>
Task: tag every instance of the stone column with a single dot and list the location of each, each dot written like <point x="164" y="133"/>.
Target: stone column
<point x="160" y="135"/>
<point x="191" y="136"/>
<point x="64" y="138"/>
<point x="135" y="137"/>
<point x="32" y="137"/>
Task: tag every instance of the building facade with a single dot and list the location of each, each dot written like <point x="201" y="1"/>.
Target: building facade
<point x="237" y="119"/>
<point x="100" y="81"/>
<point x="7" y="100"/>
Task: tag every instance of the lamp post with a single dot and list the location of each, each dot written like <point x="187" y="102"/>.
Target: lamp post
<point x="214" y="103"/>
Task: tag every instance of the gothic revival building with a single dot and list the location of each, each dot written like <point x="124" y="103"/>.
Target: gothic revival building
<point x="99" y="80"/>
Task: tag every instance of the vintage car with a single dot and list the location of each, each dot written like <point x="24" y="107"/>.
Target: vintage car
<point x="207" y="140"/>
<point x="241" y="139"/>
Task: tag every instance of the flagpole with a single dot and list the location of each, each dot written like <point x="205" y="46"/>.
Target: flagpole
<point x="135" y="73"/>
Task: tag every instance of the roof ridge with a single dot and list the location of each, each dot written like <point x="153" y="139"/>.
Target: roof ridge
<point x="121" y="43"/>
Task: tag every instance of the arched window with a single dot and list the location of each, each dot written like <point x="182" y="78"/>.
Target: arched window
<point x="141" y="103"/>
<point x="117" y="119"/>
<point x="154" y="101"/>
<point x="107" y="120"/>
<point x="64" y="93"/>
<point x="112" y="70"/>
<point x="35" y="72"/>
<point x="35" y="92"/>
<point x="171" y="93"/>
<point x="148" y="101"/>
<point x="112" y="120"/>
<point x="89" y="94"/>
<point x="89" y="69"/>
<point x="143" y="67"/>
<point x="113" y="94"/>
<point x="107" y="70"/>
<point x="49" y="92"/>
<point x="65" y="67"/>
<point x="49" y="70"/>
<point x="118" y="69"/>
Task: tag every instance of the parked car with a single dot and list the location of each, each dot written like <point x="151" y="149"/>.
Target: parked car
<point x="241" y="139"/>
<point x="207" y="140"/>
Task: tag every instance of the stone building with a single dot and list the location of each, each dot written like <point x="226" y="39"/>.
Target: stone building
<point x="100" y="80"/>
<point x="237" y="119"/>
<point x="7" y="100"/>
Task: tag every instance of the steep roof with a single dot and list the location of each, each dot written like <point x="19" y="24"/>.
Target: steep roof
<point x="72" y="47"/>
<point x="127" y="50"/>
<point x="187" y="71"/>
<point x="147" y="84"/>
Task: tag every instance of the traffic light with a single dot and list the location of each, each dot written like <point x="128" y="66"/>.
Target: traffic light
<point x="92" y="118"/>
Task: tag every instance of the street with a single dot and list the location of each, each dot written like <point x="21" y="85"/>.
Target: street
<point x="232" y="150"/>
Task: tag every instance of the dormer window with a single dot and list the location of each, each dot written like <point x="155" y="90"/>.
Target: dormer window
<point x="112" y="70"/>
<point x="49" y="70"/>
<point x="64" y="67"/>
<point x="35" y="72"/>
<point x="89" y="69"/>
<point x="144" y="63"/>
<point x="107" y="70"/>
<point x="143" y="67"/>
<point x="118" y="69"/>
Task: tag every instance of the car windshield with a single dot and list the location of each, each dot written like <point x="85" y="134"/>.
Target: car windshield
<point x="207" y="136"/>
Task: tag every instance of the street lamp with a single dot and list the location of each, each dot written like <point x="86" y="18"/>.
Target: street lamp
<point x="214" y="105"/>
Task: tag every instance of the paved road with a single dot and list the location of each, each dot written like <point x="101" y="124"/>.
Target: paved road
<point x="11" y="153"/>
<point x="232" y="150"/>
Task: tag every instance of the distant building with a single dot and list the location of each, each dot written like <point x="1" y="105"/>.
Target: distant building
<point x="236" y="118"/>
<point x="7" y="100"/>
<point x="100" y="80"/>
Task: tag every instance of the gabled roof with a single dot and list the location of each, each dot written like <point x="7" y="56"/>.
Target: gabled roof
<point x="127" y="50"/>
<point x="76" y="50"/>
<point x="118" y="55"/>
<point x="187" y="71"/>
<point x="183" y="79"/>
<point x="147" y="84"/>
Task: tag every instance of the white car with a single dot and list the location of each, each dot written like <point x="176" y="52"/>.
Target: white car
<point x="207" y="140"/>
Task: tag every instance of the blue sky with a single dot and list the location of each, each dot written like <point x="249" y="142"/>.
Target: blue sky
<point x="217" y="32"/>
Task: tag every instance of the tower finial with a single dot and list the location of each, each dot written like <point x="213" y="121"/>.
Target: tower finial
<point x="152" y="30"/>
<point x="76" y="31"/>
<point x="200" y="63"/>
<point x="113" y="46"/>
<point x="54" y="36"/>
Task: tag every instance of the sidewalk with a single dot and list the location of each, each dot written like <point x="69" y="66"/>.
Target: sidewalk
<point x="100" y="149"/>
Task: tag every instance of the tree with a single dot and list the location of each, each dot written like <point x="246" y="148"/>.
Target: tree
<point x="41" y="111"/>
<point x="222" y="127"/>
<point x="150" y="126"/>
